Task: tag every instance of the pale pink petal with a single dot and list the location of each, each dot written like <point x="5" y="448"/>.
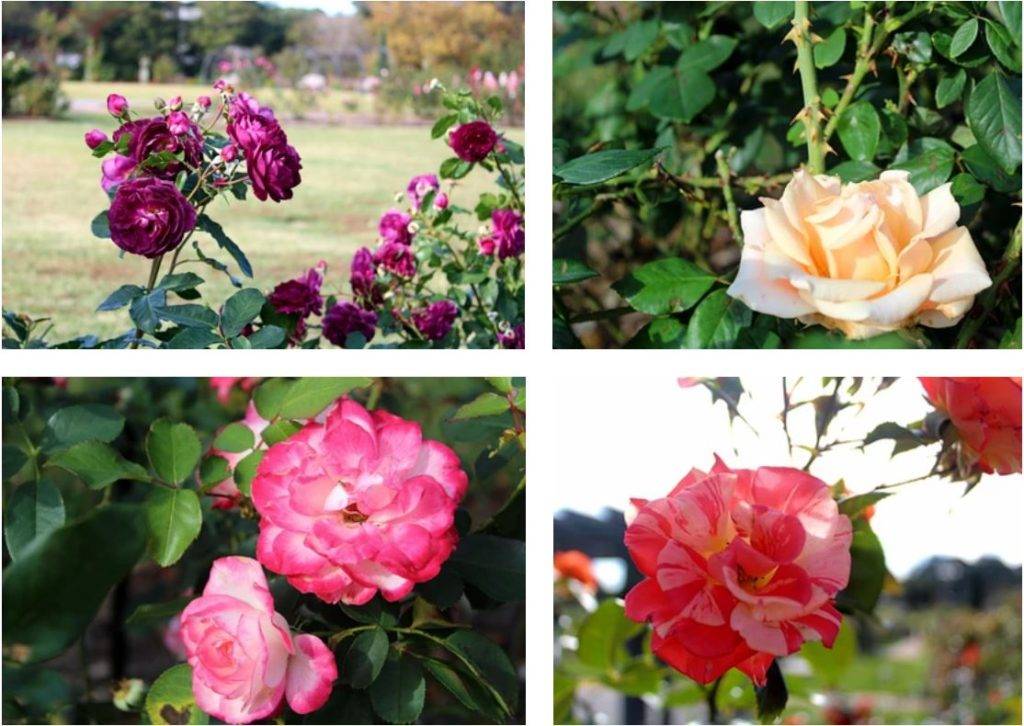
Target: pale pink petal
<point x="241" y="578"/>
<point x="312" y="671"/>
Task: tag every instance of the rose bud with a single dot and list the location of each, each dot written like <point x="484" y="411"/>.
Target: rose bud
<point x="204" y="101"/>
<point x="229" y="152"/>
<point x="94" y="138"/>
<point x="220" y="85"/>
<point x="473" y="141"/>
<point x="178" y="123"/>
<point x="441" y="201"/>
<point x="117" y="105"/>
<point x="174" y="104"/>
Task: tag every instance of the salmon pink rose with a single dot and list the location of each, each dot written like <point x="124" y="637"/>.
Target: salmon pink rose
<point x="740" y="567"/>
<point x="864" y="258"/>
<point x="244" y="658"/>
<point x="987" y="416"/>
<point x="357" y="504"/>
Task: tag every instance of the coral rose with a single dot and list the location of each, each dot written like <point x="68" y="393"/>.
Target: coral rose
<point x="357" y="504"/>
<point x="986" y="413"/>
<point x="244" y="658"/>
<point x="575" y="565"/>
<point x="740" y="567"/>
<point x="863" y="258"/>
<point x="149" y="217"/>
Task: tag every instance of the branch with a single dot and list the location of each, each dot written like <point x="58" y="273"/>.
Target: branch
<point x="730" y="204"/>
<point x="1009" y="264"/>
<point x="811" y="112"/>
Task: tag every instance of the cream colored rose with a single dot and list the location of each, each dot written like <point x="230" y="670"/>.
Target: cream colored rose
<point x="863" y="258"/>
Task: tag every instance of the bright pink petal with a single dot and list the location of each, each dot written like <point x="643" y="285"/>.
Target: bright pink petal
<point x="312" y="671"/>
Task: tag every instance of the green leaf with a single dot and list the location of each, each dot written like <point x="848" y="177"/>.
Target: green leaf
<point x="157" y="612"/>
<point x="950" y="88"/>
<point x="819" y="338"/>
<point x="495" y="565"/>
<point x="189" y="316"/>
<point x="852" y="506"/>
<point x="1002" y="45"/>
<point x="365" y="658"/>
<point x="74" y="424"/>
<point x="145" y="310"/>
<point x="33" y="511"/>
<point x="122" y="296"/>
<point x="471" y="697"/>
<point x="269" y="395"/>
<point x="397" y="694"/>
<point x="235" y="438"/>
<point x="267" y="337"/>
<point x="829" y="664"/>
<point x="100" y="225"/>
<point x="174" y="518"/>
<point x="486" y="404"/>
<point x="963" y="38"/>
<point x="860" y="129"/>
<point x="98" y="464"/>
<point x="444" y="590"/>
<point x="173" y="450"/>
<point x="240" y="310"/>
<point x="13" y="460"/>
<point x="633" y="41"/>
<point x="855" y="171"/>
<point x="916" y="46"/>
<point x="904" y="438"/>
<point x="772" y="14"/>
<point x="667" y="332"/>
<point x="603" y="636"/>
<point x="993" y="113"/>
<point x="867" y="572"/>
<point x="717" y="321"/>
<point x="929" y="161"/>
<point x="54" y="589"/>
<point x="1012" y="337"/>
<point x="279" y="431"/>
<point x="707" y="54"/>
<point x="985" y="169"/>
<point x="180" y="281"/>
<point x="170" y="699"/>
<point x="966" y="190"/>
<point x="829" y="51"/>
<point x="194" y="339"/>
<point x="213" y="470"/>
<point x="604" y="165"/>
<point x="245" y="471"/>
<point x="668" y="285"/>
<point x="309" y="396"/>
<point x="454" y="168"/>
<point x="567" y="271"/>
<point x="1009" y="10"/>
<point x="225" y="243"/>
<point x="443" y="124"/>
<point x="490" y="661"/>
<point x="682" y="95"/>
<point x="772" y="696"/>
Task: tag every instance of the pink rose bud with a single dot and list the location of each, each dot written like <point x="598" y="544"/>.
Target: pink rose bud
<point x="94" y="138"/>
<point x="204" y="101"/>
<point x="174" y="104"/>
<point x="178" y="123"/>
<point x="117" y="105"/>
<point x="220" y="84"/>
<point x="229" y="152"/>
<point x="441" y="201"/>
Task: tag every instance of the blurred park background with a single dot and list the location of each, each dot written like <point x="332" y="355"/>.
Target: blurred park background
<point x="944" y="642"/>
<point x="349" y="80"/>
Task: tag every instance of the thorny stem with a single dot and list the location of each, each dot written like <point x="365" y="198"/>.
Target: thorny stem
<point x="711" y="698"/>
<point x="1008" y="265"/>
<point x="509" y="183"/>
<point x="785" y="417"/>
<point x="811" y="112"/>
<point x="730" y="203"/>
<point x="833" y="400"/>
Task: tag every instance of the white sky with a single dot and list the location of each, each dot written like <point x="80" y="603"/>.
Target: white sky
<point x="630" y="437"/>
<point x="331" y="7"/>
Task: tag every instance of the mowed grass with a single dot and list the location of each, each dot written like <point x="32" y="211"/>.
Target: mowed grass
<point x="54" y="267"/>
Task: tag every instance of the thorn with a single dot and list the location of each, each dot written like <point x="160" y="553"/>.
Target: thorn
<point x="815" y="38"/>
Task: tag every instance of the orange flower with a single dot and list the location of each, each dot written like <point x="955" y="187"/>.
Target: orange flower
<point x="575" y="565"/>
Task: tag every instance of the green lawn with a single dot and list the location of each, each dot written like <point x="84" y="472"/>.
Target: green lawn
<point x="53" y="266"/>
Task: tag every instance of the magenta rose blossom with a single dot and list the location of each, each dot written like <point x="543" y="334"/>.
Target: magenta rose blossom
<point x="419" y="186"/>
<point x="149" y="217"/>
<point x="244" y="657"/>
<point x="344" y="318"/>
<point x="357" y="504"/>
<point x="250" y="125"/>
<point x="152" y="135"/>
<point x="473" y="141"/>
<point x="509" y="238"/>
<point x="514" y="338"/>
<point x="178" y="122"/>
<point x="117" y="105"/>
<point x="363" y="278"/>
<point x="115" y="170"/>
<point x="394" y="227"/>
<point x="300" y="296"/>
<point x="435" y="320"/>
<point x="94" y="138"/>
<point x="226" y="492"/>
<point x="396" y="258"/>
<point x="441" y="201"/>
<point x="273" y="171"/>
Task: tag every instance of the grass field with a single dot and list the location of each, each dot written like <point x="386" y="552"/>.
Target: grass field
<point x="53" y="266"/>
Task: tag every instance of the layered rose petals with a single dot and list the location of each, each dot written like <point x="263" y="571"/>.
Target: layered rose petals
<point x="986" y="413"/>
<point x="864" y="258"/>
<point x="243" y="657"/>
<point x="149" y="217"/>
<point x="357" y="504"/>
<point x="740" y="567"/>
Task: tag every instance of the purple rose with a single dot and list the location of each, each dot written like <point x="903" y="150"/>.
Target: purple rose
<point x="152" y="135"/>
<point x="251" y="126"/>
<point x="419" y="186"/>
<point x="273" y="171"/>
<point x="178" y="123"/>
<point x="344" y="318"/>
<point x="229" y="152"/>
<point x="363" y="278"/>
<point x="117" y="105"/>
<point x="394" y="227"/>
<point x="508" y="232"/>
<point x="300" y="296"/>
<point x="513" y="338"/>
<point x="149" y="217"/>
<point x="441" y="201"/>
<point x="435" y="320"/>
<point x="473" y="141"/>
<point x="174" y="104"/>
<point x="396" y="258"/>
<point x="94" y="138"/>
<point x="204" y="101"/>
<point x="115" y="169"/>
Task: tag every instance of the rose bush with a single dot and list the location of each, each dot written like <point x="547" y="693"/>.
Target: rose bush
<point x="789" y="174"/>
<point x="434" y="280"/>
<point x="292" y="550"/>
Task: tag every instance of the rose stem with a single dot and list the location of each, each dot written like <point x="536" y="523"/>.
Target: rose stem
<point x="730" y="203"/>
<point x="509" y="183"/>
<point x="1008" y="265"/>
<point x="154" y="270"/>
<point x="711" y="697"/>
<point x="811" y="112"/>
